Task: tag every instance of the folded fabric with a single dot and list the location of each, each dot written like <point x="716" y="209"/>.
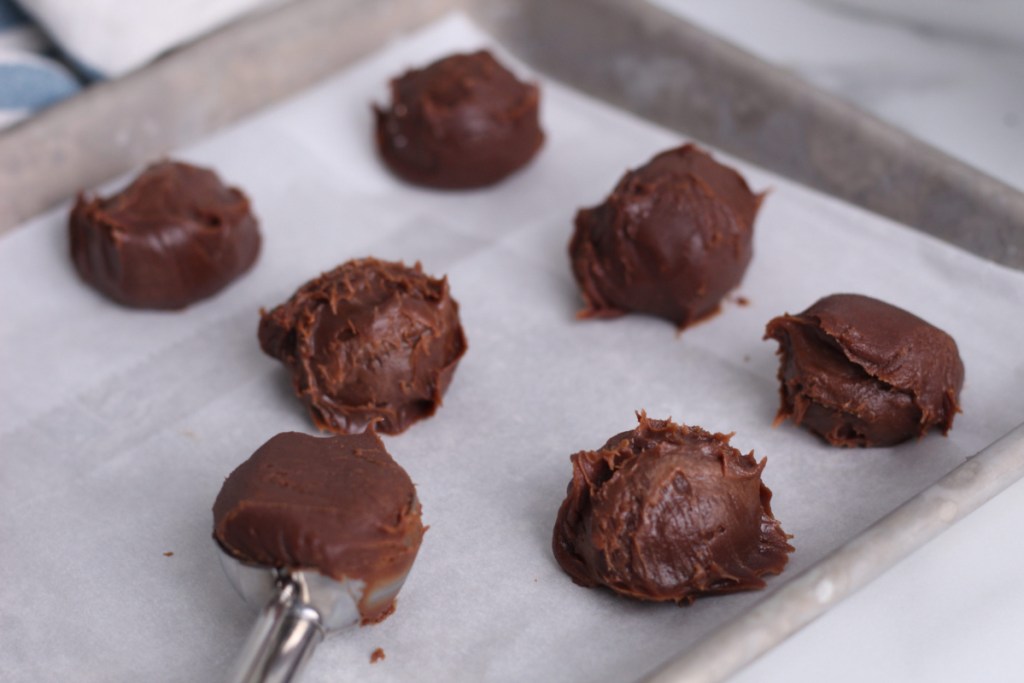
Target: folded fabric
<point x="29" y="80"/>
<point x="16" y="30"/>
<point x="108" y="38"/>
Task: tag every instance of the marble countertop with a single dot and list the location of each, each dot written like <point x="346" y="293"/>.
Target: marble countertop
<point x="951" y="73"/>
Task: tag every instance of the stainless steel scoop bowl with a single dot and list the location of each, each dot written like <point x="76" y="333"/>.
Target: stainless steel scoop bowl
<point x="299" y="607"/>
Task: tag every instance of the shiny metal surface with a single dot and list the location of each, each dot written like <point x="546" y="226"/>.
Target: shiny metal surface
<point x="282" y="640"/>
<point x="336" y="602"/>
<point x="299" y="608"/>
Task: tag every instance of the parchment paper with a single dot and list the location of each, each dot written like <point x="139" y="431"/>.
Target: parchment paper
<point x="117" y="427"/>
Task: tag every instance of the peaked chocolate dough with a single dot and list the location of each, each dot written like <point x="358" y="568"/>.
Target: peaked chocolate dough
<point x="668" y="512"/>
<point x="369" y="342"/>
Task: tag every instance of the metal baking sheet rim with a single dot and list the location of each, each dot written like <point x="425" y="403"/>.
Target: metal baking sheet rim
<point x="262" y="59"/>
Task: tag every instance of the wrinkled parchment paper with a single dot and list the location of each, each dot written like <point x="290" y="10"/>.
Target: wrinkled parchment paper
<point x="117" y="427"/>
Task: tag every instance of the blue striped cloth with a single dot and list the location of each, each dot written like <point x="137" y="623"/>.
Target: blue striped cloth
<point x="93" y="40"/>
<point x="30" y="75"/>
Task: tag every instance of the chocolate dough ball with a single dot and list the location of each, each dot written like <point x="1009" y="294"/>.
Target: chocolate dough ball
<point x="337" y="505"/>
<point x="671" y="240"/>
<point x="860" y="372"/>
<point x="368" y="342"/>
<point x="668" y="512"/>
<point x="464" y="121"/>
<point x="176" y="235"/>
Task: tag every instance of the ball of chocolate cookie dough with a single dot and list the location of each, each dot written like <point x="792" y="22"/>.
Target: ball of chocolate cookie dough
<point x="671" y="240"/>
<point x="464" y="121"/>
<point x="176" y="235"/>
<point x="860" y="372"/>
<point x="336" y="505"/>
<point x="668" y="512"/>
<point x="370" y="342"/>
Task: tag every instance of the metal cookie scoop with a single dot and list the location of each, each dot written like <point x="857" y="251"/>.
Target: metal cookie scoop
<point x="299" y="607"/>
<point x="342" y="518"/>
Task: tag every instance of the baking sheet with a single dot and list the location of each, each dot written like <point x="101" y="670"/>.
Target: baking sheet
<point x="117" y="427"/>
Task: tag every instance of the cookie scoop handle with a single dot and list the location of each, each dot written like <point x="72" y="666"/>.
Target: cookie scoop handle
<point x="282" y="640"/>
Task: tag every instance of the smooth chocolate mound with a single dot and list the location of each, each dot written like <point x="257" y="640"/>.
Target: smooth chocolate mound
<point x="668" y="512"/>
<point x="369" y="342"/>
<point x="338" y="505"/>
<point x="671" y="240"/>
<point x="176" y="235"/>
<point x="464" y="121"/>
<point x="860" y="372"/>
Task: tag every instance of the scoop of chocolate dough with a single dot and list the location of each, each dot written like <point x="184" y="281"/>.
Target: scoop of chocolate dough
<point x="338" y="505"/>
<point x="860" y="372"/>
<point x="369" y="342"/>
<point x="668" y="512"/>
<point x="671" y="240"/>
<point x="176" y="235"/>
<point x="464" y="121"/>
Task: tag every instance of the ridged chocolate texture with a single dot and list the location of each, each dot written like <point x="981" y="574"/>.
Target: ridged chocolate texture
<point x="338" y="505"/>
<point x="860" y="372"/>
<point x="176" y="235"/>
<point x="668" y="512"/>
<point x="464" y="121"/>
<point x="369" y="342"/>
<point x="671" y="240"/>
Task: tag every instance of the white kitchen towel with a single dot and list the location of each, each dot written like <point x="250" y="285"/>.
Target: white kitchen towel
<point x="108" y="38"/>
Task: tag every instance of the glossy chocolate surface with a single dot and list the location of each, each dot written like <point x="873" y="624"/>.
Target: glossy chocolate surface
<point x="176" y="235"/>
<point x="861" y="372"/>
<point x="671" y="240"/>
<point x="370" y="342"/>
<point x="667" y="512"/>
<point x="464" y="121"/>
<point x="338" y="505"/>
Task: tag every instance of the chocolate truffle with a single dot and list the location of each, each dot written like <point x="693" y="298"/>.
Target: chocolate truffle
<point x="176" y="235"/>
<point x="336" y="505"/>
<point x="464" y="121"/>
<point x="860" y="372"/>
<point x="368" y="342"/>
<point x="668" y="512"/>
<point x="671" y="240"/>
